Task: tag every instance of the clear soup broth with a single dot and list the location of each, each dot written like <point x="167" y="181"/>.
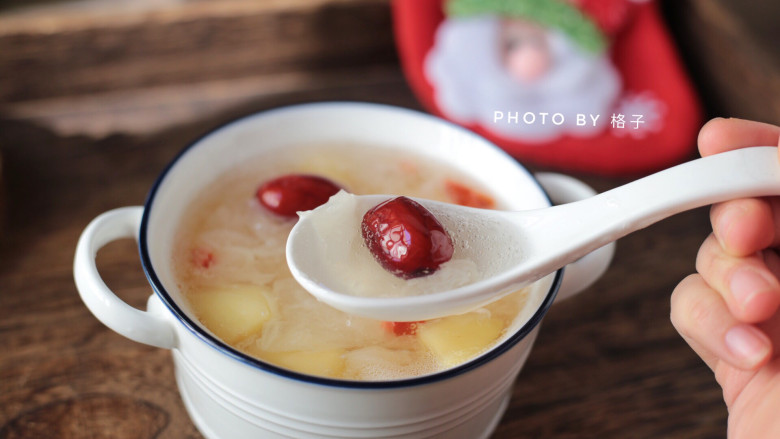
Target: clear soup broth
<point x="230" y="266"/>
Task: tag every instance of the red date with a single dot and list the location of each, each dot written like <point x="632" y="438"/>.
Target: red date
<point x="405" y="238"/>
<point x="289" y="194"/>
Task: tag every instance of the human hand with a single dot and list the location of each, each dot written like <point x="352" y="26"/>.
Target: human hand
<point x="729" y="312"/>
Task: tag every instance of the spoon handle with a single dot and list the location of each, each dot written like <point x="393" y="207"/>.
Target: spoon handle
<point x="748" y="172"/>
<point x="589" y="224"/>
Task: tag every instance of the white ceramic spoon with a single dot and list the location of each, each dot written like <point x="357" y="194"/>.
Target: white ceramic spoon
<point x="551" y="237"/>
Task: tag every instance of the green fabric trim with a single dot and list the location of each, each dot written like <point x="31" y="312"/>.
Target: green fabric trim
<point x="549" y="13"/>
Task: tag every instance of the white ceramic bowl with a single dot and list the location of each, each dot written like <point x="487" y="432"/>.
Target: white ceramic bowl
<point x="230" y="395"/>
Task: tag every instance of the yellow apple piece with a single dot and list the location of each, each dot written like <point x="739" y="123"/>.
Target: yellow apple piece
<point x="232" y="312"/>
<point x="331" y="167"/>
<point x="328" y="362"/>
<point x="456" y="339"/>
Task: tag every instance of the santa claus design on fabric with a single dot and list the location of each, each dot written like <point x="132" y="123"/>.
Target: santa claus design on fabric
<point x="555" y="76"/>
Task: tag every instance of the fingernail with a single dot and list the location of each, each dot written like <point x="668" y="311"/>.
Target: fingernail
<point x="746" y="283"/>
<point x="747" y="343"/>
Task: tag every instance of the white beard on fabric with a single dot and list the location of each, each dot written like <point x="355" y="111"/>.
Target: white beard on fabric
<point x="475" y="80"/>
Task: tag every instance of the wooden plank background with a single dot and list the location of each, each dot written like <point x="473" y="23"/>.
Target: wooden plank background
<point x="101" y="67"/>
<point x="108" y="70"/>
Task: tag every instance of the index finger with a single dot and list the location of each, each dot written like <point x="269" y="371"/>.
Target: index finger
<point x="720" y="135"/>
<point x="742" y="226"/>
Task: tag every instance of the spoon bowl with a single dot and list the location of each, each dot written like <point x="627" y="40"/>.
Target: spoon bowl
<point x="306" y="253"/>
<point x="524" y="246"/>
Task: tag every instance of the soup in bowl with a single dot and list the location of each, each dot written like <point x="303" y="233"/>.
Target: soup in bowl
<point x="229" y="261"/>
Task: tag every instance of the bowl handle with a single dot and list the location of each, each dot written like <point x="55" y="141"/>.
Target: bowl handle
<point x="141" y="326"/>
<point x="582" y="273"/>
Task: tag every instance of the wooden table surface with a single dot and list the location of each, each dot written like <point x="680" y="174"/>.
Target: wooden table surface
<point x="608" y="363"/>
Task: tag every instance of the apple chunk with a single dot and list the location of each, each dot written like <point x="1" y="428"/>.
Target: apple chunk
<point x="456" y="339"/>
<point x="328" y="362"/>
<point x="232" y="312"/>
